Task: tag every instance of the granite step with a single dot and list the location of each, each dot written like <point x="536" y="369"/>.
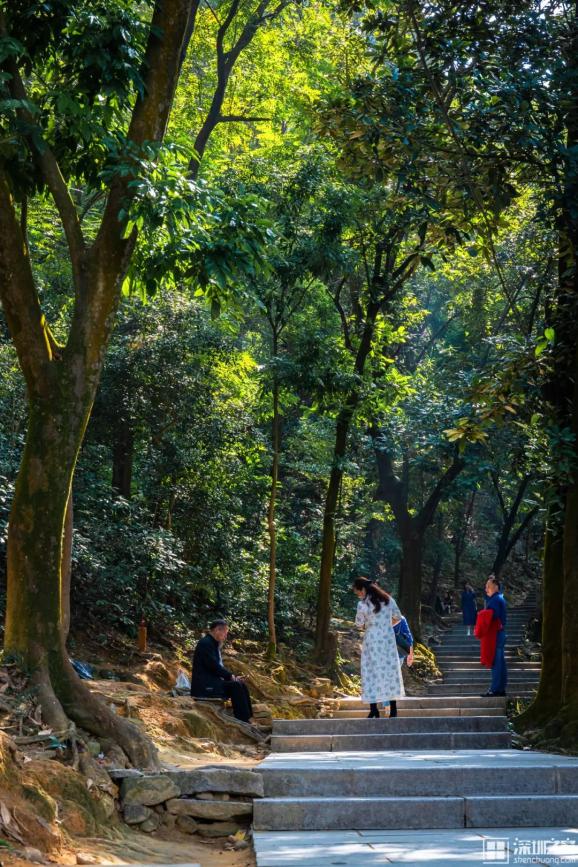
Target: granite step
<point x="418" y="741"/>
<point x="389" y="726"/>
<point x="473" y="674"/>
<point x="435" y="773"/>
<point x="450" y="689"/>
<point x="460" y="788"/>
<point x="425" y="701"/>
<point x="419" y="713"/>
<point x="475" y="665"/>
<point x="335" y="814"/>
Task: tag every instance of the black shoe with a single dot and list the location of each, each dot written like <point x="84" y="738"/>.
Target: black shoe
<point x="373" y="715"/>
<point x="490" y="694"/>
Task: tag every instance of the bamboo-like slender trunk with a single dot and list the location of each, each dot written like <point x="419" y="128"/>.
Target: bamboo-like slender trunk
<point x="271" y="517"/>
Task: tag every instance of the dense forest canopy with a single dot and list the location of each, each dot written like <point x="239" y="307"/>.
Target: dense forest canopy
<point x="289" y="296"/>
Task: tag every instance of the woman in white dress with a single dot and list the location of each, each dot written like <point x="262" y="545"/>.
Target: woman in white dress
<point x="381" y="679"/>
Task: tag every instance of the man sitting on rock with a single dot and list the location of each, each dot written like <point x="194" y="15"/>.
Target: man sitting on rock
<point x="210" y="678"/>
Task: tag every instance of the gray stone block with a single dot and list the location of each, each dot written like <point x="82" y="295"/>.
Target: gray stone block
<point x="134" y="814"/>
<point x="538" y="811"/>
<point x="236" y="781"/>
<point x="148" y="790"/>
<point x="218" y="810"/>
<point x="334" y="814"/>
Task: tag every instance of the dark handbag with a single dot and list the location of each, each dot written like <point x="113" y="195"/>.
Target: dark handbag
<point x="402" y="643"/>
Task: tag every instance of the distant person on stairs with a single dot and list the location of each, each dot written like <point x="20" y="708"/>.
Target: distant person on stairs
<point x="469" y="607"/>
<point x="496" y="603"/>
<point x="210" y="678"/>
<point x="381" y="679"/>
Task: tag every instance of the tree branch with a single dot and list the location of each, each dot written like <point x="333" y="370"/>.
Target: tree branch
<point x="19" y="296"/>
<point x="225" y="62"/>
<point x="427" y="512"/>
<point x="241" y="118"/>
<point x="54" y="181"/>
<point x="496" y="484"/>
<point x="528" y="518"/>
<point x="343" y="317"/>
<point x="169" y="30"/>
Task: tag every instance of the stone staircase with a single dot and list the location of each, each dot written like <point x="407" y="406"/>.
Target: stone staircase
<point x="349" y="790"/>
<point x="405" y="733"/>
<point x="424" y="789"/>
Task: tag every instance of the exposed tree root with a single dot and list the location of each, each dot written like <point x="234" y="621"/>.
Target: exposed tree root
<point x="66" y="698"/>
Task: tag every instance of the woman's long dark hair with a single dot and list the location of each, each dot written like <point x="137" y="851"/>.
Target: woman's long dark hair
<point x="374" y="593"/>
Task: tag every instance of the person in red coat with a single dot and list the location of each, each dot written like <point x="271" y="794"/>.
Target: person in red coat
<point x="492" y="634"/>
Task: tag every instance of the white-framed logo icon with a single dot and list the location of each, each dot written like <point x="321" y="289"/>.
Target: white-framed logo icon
<point x="496" y="851"/>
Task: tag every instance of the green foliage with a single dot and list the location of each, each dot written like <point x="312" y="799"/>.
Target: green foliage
<point x="423" y="179"/>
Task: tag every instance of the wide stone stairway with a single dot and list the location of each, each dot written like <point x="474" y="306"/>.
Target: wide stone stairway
<point x="438" y="784"/>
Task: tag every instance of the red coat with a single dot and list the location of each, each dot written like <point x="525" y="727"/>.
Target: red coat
<point x="487" y="628"/>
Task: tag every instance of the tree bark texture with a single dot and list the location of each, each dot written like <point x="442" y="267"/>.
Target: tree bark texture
<point x="61" y="389"/>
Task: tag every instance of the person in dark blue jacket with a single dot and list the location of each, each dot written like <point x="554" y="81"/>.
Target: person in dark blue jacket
<point x="210" y="678"/>
<point x="469" y="607"/>
<point x="497" y="604"/>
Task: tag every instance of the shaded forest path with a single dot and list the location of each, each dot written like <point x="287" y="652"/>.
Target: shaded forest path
<point x="439" y="784"/>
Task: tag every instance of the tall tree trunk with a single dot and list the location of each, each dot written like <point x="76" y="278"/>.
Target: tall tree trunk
<point x="61" y="385"/>
<point x="509" y="537"/>
<point x="546" y="705"/>
<point x="569" y="697"/>
<point x="271" y="516"/>
<point x="410" y="579"/>
<point x="411" y="527"/>
<point x="569" y="631"/>
<point x="35" y="629"/>
<point x="558" y="693"/>
<point x="323" y="645"/>
<point x="322" y="641"/>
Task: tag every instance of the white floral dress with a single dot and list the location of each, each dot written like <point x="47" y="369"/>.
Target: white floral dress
<point x="381" y="678"/>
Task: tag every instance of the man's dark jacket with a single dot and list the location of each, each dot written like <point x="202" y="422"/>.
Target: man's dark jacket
<point x="209" y="673"/>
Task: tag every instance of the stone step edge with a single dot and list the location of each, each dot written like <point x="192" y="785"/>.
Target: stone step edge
<point x="497" y="719"/>
<point x="460" y="807"/>
<point x="422" y="742"/>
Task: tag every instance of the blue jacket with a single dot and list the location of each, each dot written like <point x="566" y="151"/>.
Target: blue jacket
<point x="402" y="628"/>
<point x="497" y="603"/>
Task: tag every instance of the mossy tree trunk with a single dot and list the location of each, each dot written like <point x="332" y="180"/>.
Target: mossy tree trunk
<point x="61" y="384"/>
<point x="557" y="697"/>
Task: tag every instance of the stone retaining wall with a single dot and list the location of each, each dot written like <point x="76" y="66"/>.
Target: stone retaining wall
<point x="213" y="801"/>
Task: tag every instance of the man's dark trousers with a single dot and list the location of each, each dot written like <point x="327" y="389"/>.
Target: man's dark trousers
<point x="499" y="669"/>
<point x="240" y="699"/>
